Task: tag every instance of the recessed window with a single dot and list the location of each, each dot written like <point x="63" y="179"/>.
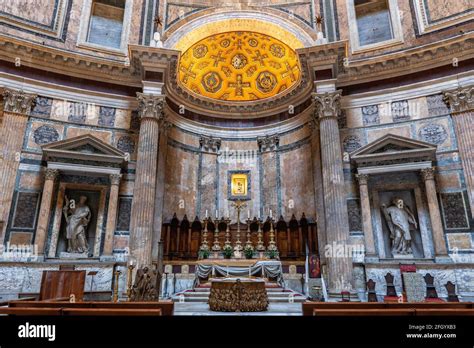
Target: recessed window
<point x="106" y="23"/>
<point x="373" y="24"/>
<point x="373" y="21"/>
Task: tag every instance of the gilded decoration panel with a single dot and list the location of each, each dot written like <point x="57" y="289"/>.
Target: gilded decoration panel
<point x="239" y="66"/>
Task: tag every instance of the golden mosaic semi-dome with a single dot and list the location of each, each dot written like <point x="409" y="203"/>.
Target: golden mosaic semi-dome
<point x="239" y="66"/>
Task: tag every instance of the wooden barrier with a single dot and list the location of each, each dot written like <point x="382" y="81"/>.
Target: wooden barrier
<point x="380" y="308"/>
<point x="166" y="307"/>
<point x="111" y="312"/>
<point x="362" y="312"/>
<point x="30" y="311"/>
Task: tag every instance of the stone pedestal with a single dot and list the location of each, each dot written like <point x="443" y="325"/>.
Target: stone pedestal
<point x="143" y="205"/>
<point x="45" y="209"/>
<point x="435" y="216"/>
<point x="111" y="214"/>
<point x="327" y="109"/>
<point x="16" y="107"/>
<point x="461" y="102"/>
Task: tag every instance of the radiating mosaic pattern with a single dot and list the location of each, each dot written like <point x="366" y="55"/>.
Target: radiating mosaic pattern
<point x="239" y="66"/>
<point x="433" y="133"/>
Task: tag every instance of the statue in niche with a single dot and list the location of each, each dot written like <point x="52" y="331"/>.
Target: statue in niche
<point x="399" y="217"/>
<point x="78" y="216"/>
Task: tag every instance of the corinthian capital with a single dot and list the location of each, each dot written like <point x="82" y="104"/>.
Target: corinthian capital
<point x="460" y="99"/>
<point x="327" y="104"/>
<point x="210" y="144"/>
<point x="151" y="106"/>
<point x="51" y="174"/>
<point x="17" y="102"/>
<point x="427" y="174"/>
<point x="268" y="142"/>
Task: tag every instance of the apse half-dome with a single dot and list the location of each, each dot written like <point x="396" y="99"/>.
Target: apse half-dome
<point x="239" y="66"/>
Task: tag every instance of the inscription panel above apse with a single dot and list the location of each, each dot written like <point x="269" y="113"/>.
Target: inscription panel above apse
<point x="239" y="66"/>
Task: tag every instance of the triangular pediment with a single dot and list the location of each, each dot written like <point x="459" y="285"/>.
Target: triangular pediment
<point x="84" y="147"/>
<point x="393" y="147"/>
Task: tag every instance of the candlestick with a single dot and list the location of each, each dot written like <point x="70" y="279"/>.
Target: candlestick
<point x="271" y="243"/>
<point x="204" y="245"/>
<point x="260" y="246"/>
<point x="216" y="246"/>
<point x="116" y="286"/>
<point x="248" y="243"/>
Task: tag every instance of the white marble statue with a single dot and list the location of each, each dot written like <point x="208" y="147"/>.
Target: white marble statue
<point x="399" y="217"/>
<point x="78" y="216"/>
<point x="156" y="41"/>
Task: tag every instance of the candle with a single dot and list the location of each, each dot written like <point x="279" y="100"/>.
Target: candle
<point x="206" y="213"/>
<point x="248" y="214"/>
<point x="217" y="214"/>
<point x="270" y="213"/>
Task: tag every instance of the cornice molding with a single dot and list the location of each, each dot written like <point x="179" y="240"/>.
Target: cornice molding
<point x="67" y="63"/>
<point x="407" y="61"/>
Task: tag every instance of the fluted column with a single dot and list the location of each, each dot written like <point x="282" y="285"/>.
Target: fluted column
<point x="160" y="187"/>
<point x="17" y="106"/>
<point x="143" y="205"/>
<point x="50" y="176"/>
<point x="366" y="215"/>
<point x="208" y="189"/>
<point x="435" y="216"/>
<point x="327" y="109"/>
<point x="112" y="214"/>
<point x="461" y="102"/>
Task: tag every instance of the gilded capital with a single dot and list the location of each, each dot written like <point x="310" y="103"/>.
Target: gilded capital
<point x="51" y="174"/>
<point x="427" y="174"/>
<point x="327" y="104"/>
<point x="151" y="106"/>
<point x="460" y="99"/>
<point x="115" y="179"/>
<point x="18" y="102"/>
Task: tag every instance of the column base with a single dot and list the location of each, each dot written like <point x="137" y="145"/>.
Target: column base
<point x="443" y="259"/>
<point x="107" y="258"/>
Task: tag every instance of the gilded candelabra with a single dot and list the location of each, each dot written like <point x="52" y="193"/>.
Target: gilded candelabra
<point x="116" y="285"/>
<point x="271" y="243"/>
<point x="216" y="246"/>
<point x="248" y="243"/>
<point x="131" y="266"/>
<point x="238" y="205"/>
<point x="204" y="244"/>
<point x="227" y="233"/>
<point x="260" y="245"/>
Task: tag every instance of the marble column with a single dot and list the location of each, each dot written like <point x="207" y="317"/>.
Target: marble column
<point x="208" y="181"/>
<point x="112" y="214"/>
<point x="318" y="185"/>
<point x="143" y="204"/>
<point x="268" y="145"/>
<point x="366" y="215"/>
<point x="160" y="186"/>
<point x="327" y="110"/>
<point x="16" y="107"/>
<point x="45" y="209"/>
<point x="461" y="102"/>
<point x="435" y="216"/>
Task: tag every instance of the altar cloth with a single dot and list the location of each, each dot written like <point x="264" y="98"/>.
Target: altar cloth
<point x="265" y="269"/>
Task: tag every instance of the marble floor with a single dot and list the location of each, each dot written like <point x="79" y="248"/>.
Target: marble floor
<point x="202" y="308"/>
